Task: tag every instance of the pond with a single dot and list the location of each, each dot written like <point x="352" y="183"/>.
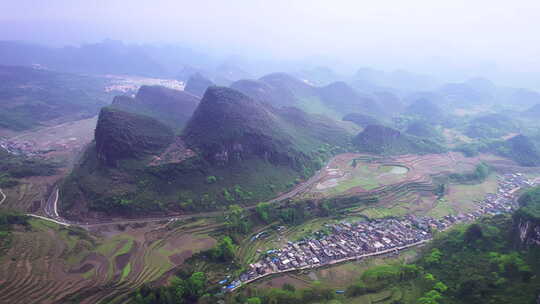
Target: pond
<point x="396" y="169"/>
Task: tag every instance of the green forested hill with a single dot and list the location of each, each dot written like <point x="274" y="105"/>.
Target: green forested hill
<point x="123" y="135"/>
<point x="379" y="139"/>
<point x="233" y="150"/>
<point x="519" y="148"/>
<point x="172" y="107"/>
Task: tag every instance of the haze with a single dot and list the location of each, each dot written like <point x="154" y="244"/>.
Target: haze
<point x="452" y="40"/>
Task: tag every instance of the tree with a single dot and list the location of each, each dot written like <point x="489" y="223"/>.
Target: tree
<point x="430" y="297"/>
<point x="254" y="300"/>
<point x="441" y="287"/>
<point x="235" y="221"/>
<point x="434" y="256"/>
<point x="263" y="211"/>
<point x="473" y="233"/>
<point x="224" y="250"/>
<point x="429" y="277"/>
<point x="440" y="190"/>
<point x="195" y="285"/>
<point x="228" y="196"/>
<point x="317" y="293"/>
<point x="288" y="287"/>
<point x="211" y="179"/>
<point x="179" y="288"/>
<point x="356" y="289"/>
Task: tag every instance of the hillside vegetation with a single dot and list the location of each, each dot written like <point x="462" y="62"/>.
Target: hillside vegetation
<point x="229" y="126"/>
<point x="172" y="107"/>
<point x="13" y="167"/>
<point x="379" y="139"/>
<point x="197" y="85"/>
<point x="530" y="204"/>
<point x="333" y="100"/>
<point x="122" y="135"/>
<point x="490" y="126"/>
<point x="233" y="150"/>
<point x="519" y="148"/>
<point x="361" y="120"/>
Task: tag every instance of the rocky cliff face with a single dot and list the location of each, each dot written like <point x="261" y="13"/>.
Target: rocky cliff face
<point x="526" y="220"/>
<point x="528" y="231"/>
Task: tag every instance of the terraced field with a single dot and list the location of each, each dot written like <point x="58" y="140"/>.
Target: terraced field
<point x="402" y="184"/>
<point x="51" y="264"/>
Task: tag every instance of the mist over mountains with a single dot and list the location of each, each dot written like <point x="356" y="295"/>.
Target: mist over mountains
<point x="181" y="61"/>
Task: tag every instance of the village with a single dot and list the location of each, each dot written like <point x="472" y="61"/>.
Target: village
<point x="354" y="241"/>
<point x="16" y="148"/>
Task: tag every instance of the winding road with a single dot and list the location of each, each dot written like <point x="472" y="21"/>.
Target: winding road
<point x="51" y="208"/>
<point x="3" y="196"/>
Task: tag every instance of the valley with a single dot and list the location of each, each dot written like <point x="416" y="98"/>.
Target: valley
<point x="125" y="178"/>
<point x="123" y="254"/>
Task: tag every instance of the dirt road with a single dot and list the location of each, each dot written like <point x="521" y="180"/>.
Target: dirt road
<point x="3" y="196"/>
<point x="51" y="208"/>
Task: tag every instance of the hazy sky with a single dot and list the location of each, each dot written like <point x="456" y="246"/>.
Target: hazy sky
<point x="486" y="36"/>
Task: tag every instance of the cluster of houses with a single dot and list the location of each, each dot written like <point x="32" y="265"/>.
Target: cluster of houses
<point x="353" y="241"/>
<point x="130" y="85"/>
<point x="17" y="148"/>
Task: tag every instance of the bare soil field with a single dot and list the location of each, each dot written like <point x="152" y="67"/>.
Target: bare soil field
<point x="61" y="142"/>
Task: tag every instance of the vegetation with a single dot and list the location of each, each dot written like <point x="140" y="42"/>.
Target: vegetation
<point x="197" y="84"/>
<point x="490" y="127"/>
<point x="424" y="129"/>
<point x="7" y="221"/>
<point x="171" y="107"/>
<point x="426" y="110"/>
<point x="361" y="120"/>
<point x="520" y="148"/>
<point x="246" y="152"/>
<point x="13" y="167"/>
<point x="530" y="204"/>
<point x="224" y="250"/>
<point x="31" y="97"/>
<point x="479" y="175"/>
<point x="383" y="140"/>
<point x="121" y="135"/>
<point x="490" y="271"/>
<point x="181" y="290"/>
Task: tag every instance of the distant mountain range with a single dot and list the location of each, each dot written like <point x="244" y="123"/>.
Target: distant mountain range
<point x="334" y="100"/>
